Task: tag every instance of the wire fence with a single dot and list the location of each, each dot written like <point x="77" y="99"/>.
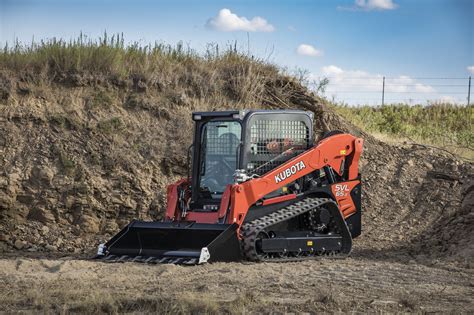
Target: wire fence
<point x="384" y="90"/>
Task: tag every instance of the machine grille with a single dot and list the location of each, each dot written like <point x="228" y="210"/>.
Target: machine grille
<point x="274" y="142"/>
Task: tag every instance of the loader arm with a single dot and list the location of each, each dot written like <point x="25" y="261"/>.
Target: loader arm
<point x="288" y="199"/>
<point x="333" y="151"/>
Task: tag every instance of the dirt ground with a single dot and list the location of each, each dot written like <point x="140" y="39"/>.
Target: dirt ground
<point x="362" y="283"/>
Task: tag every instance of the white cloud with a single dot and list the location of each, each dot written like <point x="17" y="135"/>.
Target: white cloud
<point x="369" y="5"/>
<point x="424" y="88"/>
<point x="470" y="69"/>
<point x="308" y="50"/>
<point x="446" y="99"/>
<point x="332" y="70"/>
<point x="359" y="80"/>
<point x="375" y="4"/>
<point x="362" y="87"/>
<point x="227" y="21"/>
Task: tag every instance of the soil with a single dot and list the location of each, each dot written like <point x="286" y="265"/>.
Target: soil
<point x="361" y="283"/>
<point x="79" y="161"/>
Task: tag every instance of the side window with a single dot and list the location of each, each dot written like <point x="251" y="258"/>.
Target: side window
<point x="274" y="142"/>
<point x="219" y="144"/>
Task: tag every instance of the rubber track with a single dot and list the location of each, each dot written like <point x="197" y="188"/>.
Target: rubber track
<point x="250" y="230"/>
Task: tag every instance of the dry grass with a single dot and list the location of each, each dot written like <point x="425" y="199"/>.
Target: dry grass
<point x="66" y="296"/>
<point x="178" y="72"/>
<point x="447" y="126"/>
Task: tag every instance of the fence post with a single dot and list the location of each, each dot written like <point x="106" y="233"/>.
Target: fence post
<point x="383" y="90"/>
<point x="469" y="92"/>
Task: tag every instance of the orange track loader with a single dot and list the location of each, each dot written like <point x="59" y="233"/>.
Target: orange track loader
<point x="259" y="189"/>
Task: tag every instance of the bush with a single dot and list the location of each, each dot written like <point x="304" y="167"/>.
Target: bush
<point x="441" y="124"/>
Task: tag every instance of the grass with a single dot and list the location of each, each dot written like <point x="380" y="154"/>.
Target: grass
<point x="445" y="125"/>
<point x="216" y="77"/>
<point x="180" y="76"/>
<point x="110" y="125"/>
<point x="110" y="55"/>
<point x="63" y="296"/>
<point x="99" y="99"/>
<point x="107" y="55"/>
<point x="59" y="296"/>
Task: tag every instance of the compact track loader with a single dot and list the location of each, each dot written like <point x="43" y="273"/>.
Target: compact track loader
<point x="259" y="189"/>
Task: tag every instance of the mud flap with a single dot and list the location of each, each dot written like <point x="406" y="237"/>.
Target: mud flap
<point x="173" y="242"/>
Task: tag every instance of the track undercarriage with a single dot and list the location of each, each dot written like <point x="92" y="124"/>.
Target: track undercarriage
<point x="307" y="229"/>
<point x="292" y="234"/>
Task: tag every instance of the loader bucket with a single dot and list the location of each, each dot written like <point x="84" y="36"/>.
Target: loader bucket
<point x="173" y="242"/>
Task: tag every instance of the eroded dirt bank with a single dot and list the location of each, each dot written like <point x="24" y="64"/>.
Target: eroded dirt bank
<point x="83" y="156"/>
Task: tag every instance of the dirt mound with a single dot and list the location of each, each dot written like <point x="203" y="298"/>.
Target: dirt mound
<point x="84" y="154"/>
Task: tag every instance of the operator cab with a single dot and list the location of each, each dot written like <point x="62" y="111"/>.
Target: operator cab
<point x="255" y="141"/>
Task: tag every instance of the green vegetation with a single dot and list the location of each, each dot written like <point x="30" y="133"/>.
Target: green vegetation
<point x="67" y="163"/>
<point x="109" y="55"/>
<point x="110" y="125"/>
<point x="445" y="125"/>
<point x="177" y="72"/>
<point x="100" y="99"/>
<point x="187" y="78"/>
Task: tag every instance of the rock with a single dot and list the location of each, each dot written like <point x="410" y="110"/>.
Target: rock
<point x="25" y="198"/>
<point x="90" y="224"/>
<point x="76" y="230"/>
<point x="33" y="248"/>
<point x="51" y="248"/>
<point x="428" y="165"/>
<point x="41" y="215"/>
<point x="3" y="247"/>
<point x="411" y="162"/>
<point x="19" y="244"/>
<point x="111" y="227"/>
<point x="41" y="176"/>
<point x="44" y="230"/>
<point x="4" y="238"/>
<point x="58" y="242"/>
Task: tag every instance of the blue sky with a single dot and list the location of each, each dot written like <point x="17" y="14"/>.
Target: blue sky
<point x="353" y="42"/>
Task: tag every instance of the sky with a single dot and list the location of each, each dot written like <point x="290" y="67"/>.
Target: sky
<point x="424" y="48"/>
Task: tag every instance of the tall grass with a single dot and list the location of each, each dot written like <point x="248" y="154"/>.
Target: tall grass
<point x="220" y="74"/>
<point x="108" y="55"/>
<point x="441" y="124"/>
<point x="214" y="76"/>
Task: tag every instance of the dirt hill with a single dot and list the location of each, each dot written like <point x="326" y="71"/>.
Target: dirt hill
<point x="85" y="152"/>
<point x="87" y="146"/>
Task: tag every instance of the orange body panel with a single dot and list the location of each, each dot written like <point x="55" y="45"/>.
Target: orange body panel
<point x="342" y="193"/>
<point x="331" y="151"/>
<point x="238" y="198"/>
